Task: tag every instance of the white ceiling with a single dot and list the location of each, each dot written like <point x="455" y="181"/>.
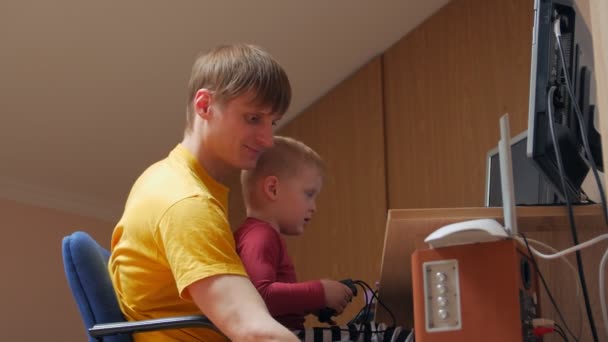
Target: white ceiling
<point x="92" y="92"/>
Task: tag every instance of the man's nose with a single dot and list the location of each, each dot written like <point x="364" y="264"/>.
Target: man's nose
<point x="266" y="136"/>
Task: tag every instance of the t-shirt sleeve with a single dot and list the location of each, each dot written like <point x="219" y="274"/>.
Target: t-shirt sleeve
<point x="196" y="238"/>
<point x="260" y="251"/>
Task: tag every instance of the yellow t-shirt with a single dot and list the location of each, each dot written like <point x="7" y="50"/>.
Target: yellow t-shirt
<point x="173" y="232"/>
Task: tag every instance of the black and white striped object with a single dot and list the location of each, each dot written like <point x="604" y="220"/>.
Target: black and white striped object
<point x="368" y="332"/>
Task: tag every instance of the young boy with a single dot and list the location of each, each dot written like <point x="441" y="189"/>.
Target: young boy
<point x="279" y="195"/>
<point x="173" y="252"/>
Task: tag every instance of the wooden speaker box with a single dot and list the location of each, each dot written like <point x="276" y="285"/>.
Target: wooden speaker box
<point x="475" y="292"/>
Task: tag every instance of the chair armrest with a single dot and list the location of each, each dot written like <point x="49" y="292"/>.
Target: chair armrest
<point x="196" y="321"/>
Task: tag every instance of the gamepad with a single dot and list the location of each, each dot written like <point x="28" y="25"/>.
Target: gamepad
<point x="326" y="313"/>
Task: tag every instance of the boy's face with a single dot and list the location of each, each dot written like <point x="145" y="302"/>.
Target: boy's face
<point x="240" y="131"/>
<point x="297" y="200"/>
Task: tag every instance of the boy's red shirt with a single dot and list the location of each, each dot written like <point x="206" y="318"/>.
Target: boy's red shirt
<point x="264" y="254"/>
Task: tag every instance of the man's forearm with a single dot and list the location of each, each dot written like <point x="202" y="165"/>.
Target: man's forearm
<point x="236" y="308"/>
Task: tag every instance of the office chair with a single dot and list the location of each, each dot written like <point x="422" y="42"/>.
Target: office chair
<point x="85" y="263"/>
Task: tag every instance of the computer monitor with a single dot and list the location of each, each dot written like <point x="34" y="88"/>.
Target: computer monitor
<point x="529" y="184"/>
<point x="547" y="72"/>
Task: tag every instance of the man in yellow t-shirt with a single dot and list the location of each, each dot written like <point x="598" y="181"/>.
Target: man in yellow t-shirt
<point x="173" y="252"/>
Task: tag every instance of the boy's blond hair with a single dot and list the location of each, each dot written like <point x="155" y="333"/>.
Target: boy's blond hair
<point x="284" y="159"/>
<point x="233" y="70"/>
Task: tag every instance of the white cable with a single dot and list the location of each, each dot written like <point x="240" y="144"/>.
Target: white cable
<point x="569" y="250"/>
<point x="603" y="290"/>
<point x="556" y="27"/>
<point x="410" y="337"/>
<point x="578" y="283"/>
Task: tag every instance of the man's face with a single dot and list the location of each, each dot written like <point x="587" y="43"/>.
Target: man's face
<point x="241" y="131"/>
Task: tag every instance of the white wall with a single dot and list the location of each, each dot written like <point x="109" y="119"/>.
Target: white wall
<point x="37" y="304"/>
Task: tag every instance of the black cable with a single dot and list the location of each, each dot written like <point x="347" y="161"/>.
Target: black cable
<point x="375" y="295"/>
<point x="363" y="313"/>
<point x="359" y="314"/>
<point x="542" y="278"/>
<point x="561" y="330"/>
<point x="561" y="334"/>
<point x="560" y="166"/>
<point x="579" y="117"/>
<point x="367" y="310"/>
<point x="366" y="307"/>
<point x="394" y="321"/>
<point x="558" y="329"/>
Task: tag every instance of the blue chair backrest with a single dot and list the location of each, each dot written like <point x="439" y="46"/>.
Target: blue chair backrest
<point x="86" y="268"/>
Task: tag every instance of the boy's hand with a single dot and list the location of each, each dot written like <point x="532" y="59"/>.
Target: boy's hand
<point x="337" y="295"/>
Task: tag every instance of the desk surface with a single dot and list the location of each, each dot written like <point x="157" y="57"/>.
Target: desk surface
<point x="406" y="230"/>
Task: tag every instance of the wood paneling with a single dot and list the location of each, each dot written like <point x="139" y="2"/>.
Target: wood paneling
<point x="236" y="206"/>
<point x="446" y="84"/>
<point x="407" y="229"/>
<point x="344" y="239"/>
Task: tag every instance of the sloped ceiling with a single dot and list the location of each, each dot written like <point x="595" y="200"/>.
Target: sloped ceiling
<point x="92" y="92"/>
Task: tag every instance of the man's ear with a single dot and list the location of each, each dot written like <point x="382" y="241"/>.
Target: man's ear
<point x="202" y="103"/>
<point x="271" y="187"/>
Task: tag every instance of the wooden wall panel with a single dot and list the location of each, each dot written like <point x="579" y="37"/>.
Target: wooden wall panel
<point x="236" y="206"/>
<point x="446" y="84"/>
<point x="345" y="237"/>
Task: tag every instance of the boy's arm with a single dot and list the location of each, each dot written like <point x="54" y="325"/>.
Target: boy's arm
<point x="304" y="297"/>
<point x="260" y="252"/>
<point x="241" y="317"/>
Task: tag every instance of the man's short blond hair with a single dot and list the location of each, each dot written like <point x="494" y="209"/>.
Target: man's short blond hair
<point x="284" y="159"/>
<point x="233" y="70"/>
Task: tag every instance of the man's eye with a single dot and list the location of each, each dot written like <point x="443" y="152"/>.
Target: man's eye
<point x="252" y="118"/>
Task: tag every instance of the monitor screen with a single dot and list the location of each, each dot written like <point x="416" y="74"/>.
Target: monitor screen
<point x="549" y="95"/>
<point x="529" y="184"/>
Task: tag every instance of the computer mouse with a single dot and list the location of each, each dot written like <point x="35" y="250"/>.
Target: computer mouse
<point x="473" y="231"/>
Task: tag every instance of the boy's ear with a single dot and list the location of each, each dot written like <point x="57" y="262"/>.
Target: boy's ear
<point x="271" y="187"/>
<point x="202" y="103"/>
